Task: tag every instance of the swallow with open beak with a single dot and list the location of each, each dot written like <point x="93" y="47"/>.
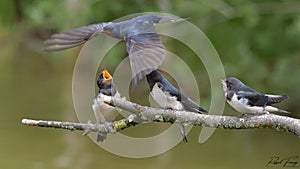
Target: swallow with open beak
<point x="105" y="112"/>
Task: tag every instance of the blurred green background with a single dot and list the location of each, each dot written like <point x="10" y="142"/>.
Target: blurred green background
<point x="258" y="41"/>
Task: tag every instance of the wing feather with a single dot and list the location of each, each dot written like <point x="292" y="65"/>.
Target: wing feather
<point x="72" y="38"/>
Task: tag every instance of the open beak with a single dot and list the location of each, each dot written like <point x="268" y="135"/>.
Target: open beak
<point x="107" y="76"/>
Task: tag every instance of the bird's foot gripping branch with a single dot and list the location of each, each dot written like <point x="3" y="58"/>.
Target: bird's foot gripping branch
<point x="144" y="114"/>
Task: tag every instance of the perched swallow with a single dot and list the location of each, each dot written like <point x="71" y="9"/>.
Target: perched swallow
<point x="169" y="97"/>
<point x="104" y="112"/>
<point x="146" y="51"/>
<point x="248" y="101"/>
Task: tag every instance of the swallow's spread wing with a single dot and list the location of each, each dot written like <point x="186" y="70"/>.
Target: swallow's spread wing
<point x="146" y="53"/>
<point x="72" y="38"/>
<point x="254" y="99"/>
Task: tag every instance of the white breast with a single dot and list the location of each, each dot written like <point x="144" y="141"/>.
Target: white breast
<point x="104" y="112"/>
<point x="164" y="100"/>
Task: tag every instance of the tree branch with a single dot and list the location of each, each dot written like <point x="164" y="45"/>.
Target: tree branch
<point x="277" y="122"/>
<point x="108" y="127"/>
<point x="144" y="114"/>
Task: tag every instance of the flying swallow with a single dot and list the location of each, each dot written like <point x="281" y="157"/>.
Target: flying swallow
<point x="169" y="97"/>
<point x="146" y="51"/>
<point x="248" y="101"/>
<point x="104" y="112"/>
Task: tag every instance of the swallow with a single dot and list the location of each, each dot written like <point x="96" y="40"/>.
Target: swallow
<point x="145" y="49"/>
<point x="248" y="101"/>
<point x="169" y="97"/>
<point x="105" y="112"/>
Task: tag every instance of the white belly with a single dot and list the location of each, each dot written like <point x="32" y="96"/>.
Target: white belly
<point x="104" y="112"/>
<point x="242" y="106"/>
<point x="164" y="100"/>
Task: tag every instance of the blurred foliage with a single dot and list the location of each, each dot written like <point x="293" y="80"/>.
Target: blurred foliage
<point x="258" y="41"/>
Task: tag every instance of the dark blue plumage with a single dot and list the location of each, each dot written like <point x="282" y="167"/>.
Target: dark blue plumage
<point x="146" y="51"/>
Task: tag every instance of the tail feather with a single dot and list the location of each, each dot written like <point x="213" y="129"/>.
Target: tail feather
<point x="184" y="139"/>
<point x="276" y="98"/>
<point x="101" y="137"/>
<point x="190" y="105"/>
<point x="275" y="109"/>
<point x="283" y="111"/>
<point x="182" y="132"/>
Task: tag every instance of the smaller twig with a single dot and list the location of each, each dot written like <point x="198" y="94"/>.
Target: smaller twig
<point x="108" y="127"/>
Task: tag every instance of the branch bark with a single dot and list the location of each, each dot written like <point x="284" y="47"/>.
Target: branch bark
<point x="144" y="114"/>
<point x="108" y="127"/>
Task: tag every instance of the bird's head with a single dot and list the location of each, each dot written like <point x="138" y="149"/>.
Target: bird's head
<point x="231" y="83"/>
<point x="153" y="78"/>
<point x="104" y="79"/>
<point x="112" y="30"/>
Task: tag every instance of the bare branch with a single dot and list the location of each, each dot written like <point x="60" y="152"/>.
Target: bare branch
<point x="144" y="114"/>
<point x="277" y="122"/>
<point x="108" y="127"/>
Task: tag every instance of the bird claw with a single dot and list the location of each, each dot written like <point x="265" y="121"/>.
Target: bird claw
<point x="265" y="111"/>
<point x="242" y="115"/>
<point x="245" y="116"/>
